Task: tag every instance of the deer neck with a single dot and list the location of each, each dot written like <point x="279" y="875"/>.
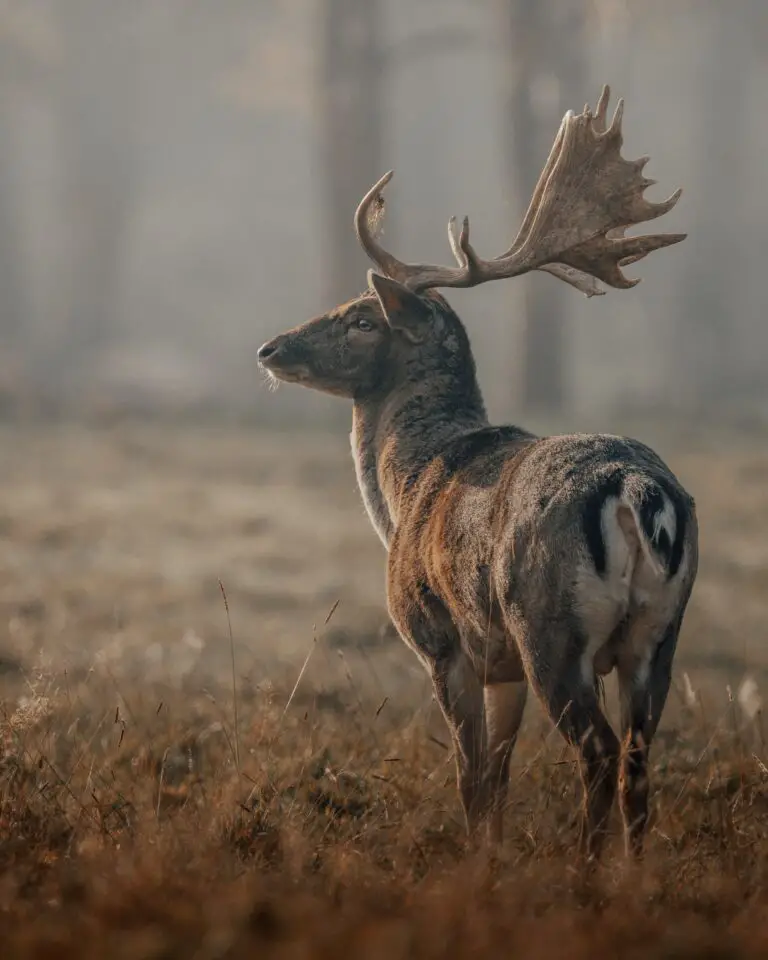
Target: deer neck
<point x="395" y="436"/>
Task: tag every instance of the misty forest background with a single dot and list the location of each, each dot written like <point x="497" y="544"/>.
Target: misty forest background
<point x="177" y="184"/>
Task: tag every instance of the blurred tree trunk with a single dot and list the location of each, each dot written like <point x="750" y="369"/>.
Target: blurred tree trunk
<point x="12" y="307"/>
<point x="708" y="334"/>
<point x="97" y="111"/>
<point x="22" y="75"/>
<point x="547" y="77"/>
<point x="351" y="131"/>
<point x="350" y="147"/>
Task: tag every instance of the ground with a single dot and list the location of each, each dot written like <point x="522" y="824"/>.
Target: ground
<point x="154" y="802"/>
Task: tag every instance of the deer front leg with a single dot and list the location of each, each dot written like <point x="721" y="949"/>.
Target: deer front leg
<point x="504" y="709"/>
<point x="459" y="694"/>
<point x="428" y="629"/>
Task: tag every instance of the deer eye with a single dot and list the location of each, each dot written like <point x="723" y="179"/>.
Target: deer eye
<point x="365" y="325"/>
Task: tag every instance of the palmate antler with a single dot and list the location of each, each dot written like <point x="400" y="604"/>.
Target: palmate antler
<point x="586" y="197"/>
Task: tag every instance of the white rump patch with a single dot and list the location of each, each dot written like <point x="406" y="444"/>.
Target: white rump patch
<point x="634" y="579"/>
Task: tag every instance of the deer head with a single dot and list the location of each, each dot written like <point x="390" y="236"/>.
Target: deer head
<point x="586" y="197"/>
<point x="369" y="345"/>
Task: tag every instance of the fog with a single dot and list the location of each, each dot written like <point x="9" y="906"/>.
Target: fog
<point x="178" y="179"/>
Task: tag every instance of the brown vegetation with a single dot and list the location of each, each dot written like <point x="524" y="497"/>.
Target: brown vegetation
<point x="137" y="822"/>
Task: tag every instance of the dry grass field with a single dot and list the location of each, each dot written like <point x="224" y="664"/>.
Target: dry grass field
<point x="150" y="808"/>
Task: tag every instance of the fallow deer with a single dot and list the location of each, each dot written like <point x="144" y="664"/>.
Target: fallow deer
<point x="514" y="559"/>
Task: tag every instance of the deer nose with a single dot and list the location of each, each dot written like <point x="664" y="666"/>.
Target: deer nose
<point x="266" y="350"/>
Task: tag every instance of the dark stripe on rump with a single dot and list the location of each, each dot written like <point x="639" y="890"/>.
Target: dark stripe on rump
<point x="651" y="505"/>
<point x="592" y="517"/>
<point x="682" y="511"/>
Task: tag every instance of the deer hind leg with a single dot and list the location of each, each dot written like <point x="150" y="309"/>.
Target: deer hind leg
<point x="645" y="674"/>
<point x="504" y="709"/>
<point x="460" y="696"/>
<point x="584" y="726"/>
<point x="553" y="661"/>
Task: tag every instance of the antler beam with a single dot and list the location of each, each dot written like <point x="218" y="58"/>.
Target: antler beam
<point x="586" y="197"/>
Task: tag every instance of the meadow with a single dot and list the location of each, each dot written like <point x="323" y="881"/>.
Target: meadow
<point x="213" y="745"/>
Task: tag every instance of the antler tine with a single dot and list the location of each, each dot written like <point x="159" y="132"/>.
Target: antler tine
<point x="583" y="282"/>
<point x="464" y="253"/>
<point x="601" y="110"/>
<point x="618" y="116"/>
<point x="364" y="226"/>
<point x="455" y="241"/>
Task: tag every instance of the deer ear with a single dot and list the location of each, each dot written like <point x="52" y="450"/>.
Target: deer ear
<point x="403" y="309"/>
